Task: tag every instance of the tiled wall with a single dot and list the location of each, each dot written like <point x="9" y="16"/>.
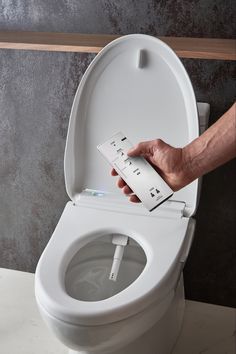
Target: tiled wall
<point x="36" y="93"/>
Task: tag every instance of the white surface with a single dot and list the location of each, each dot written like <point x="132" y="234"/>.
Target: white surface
<point x="147" y="101"/>
<point x="120" y="241"/>
<point x="126" y="315"/>
<point x="207" y="329"/>
<point x="22" y="331"/>
<point x="137" y="172"/>
<point x="163" y="247"/>
<point x="117" y="203"/>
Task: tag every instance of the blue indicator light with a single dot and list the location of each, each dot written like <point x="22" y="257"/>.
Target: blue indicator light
<point x="97" y="194"/>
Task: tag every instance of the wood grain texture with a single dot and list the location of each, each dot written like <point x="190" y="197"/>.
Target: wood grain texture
<point x="185" y="47"/>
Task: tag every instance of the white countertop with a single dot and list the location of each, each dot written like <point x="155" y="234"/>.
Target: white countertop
<point x="207" y="329"/>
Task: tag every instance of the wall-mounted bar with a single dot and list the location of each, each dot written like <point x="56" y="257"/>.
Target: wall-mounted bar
<point x="185" y="47"/>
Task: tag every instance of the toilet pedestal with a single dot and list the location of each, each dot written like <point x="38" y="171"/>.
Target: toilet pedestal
<point x="162" y="337"/>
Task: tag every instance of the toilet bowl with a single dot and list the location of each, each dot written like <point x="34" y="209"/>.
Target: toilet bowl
<point x="135" y="82"/>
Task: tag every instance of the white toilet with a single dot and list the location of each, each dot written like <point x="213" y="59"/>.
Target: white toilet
<point x="137" y="85"/>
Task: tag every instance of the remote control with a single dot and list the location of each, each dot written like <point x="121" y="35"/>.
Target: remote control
<point x="137" y="172"/>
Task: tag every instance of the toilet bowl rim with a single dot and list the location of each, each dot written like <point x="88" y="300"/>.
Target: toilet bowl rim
<point x="61" y="305"/>
<point x="165" y="301"/>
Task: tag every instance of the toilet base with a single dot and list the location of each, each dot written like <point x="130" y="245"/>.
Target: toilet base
<point x="162" y="337"/>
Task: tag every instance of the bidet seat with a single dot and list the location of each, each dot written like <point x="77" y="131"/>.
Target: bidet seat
<point x="162" y="241"/>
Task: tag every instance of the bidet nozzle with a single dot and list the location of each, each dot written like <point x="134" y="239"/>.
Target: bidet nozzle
<point x="120" y="241"/>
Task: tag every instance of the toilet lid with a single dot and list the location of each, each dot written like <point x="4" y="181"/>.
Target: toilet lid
<point x="136" y="85"/>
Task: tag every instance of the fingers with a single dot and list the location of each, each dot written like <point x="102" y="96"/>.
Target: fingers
<point x="144" y="148"/>
<point x="113" y="172"/>
<point x="125" y="188"/>
<point x="133" y="198"/>
<point x="120" y="183"/>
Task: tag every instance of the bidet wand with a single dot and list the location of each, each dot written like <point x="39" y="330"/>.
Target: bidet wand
<point x="120" y="241"/>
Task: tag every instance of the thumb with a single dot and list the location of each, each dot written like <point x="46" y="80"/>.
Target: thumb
<point x="141" y="149"/>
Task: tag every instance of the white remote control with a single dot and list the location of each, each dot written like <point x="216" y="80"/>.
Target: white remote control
<point x="137" y="172"/>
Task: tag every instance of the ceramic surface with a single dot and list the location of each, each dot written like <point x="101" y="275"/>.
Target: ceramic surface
<point x="207" y="329"/>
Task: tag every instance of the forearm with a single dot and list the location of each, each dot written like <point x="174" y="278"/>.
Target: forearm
<point x="213" y="148"/>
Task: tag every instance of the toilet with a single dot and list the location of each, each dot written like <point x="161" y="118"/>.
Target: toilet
<point x="136" y="85"/>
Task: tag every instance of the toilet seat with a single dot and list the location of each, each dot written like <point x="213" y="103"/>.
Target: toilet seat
<point x="164" y="239"/>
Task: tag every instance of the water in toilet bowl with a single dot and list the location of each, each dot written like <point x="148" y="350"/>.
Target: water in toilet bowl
<point x="87" y="276"/>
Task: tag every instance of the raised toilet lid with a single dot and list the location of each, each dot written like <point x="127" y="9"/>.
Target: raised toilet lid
<point x="136" y="85"/>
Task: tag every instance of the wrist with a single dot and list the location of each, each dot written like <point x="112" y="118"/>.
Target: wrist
<point x="182" y="173"/>
<point x="193" y="157"/>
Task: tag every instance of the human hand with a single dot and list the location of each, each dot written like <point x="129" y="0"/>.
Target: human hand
<point x="168" y="161"/>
